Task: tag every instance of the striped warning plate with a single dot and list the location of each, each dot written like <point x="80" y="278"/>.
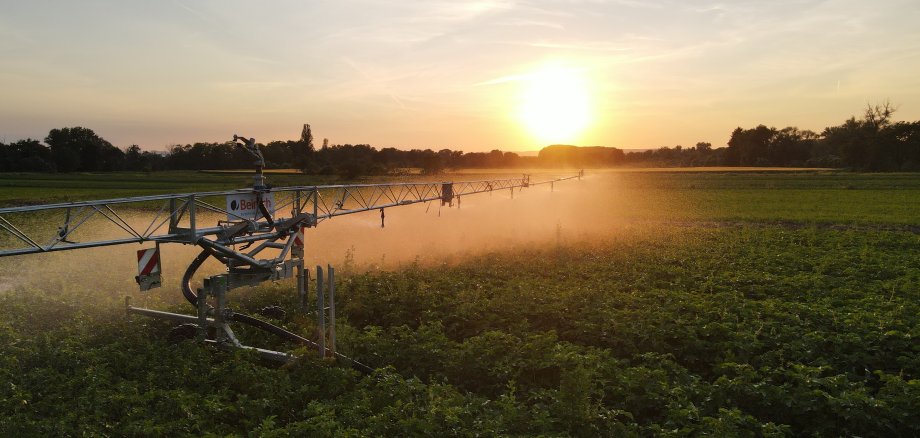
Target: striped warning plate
<point x="148" y="261"/>
<point x="298" y="238"/>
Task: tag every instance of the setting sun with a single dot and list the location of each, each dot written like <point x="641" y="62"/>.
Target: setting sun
<point x="555" y="106"/>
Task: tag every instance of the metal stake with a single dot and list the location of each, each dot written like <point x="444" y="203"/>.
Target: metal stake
<point x="331" y="274"/>
<point x="320" y="312"/>
<point x="192" y="234"/>
<point x="202" y="314"/>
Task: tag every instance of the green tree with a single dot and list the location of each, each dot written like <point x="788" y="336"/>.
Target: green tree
<point x="25" y="156"/>
<point x="867" y="143"/>
<point x="80" y="149"/>
<point x="749" y="147"/>
<point x="304" y="152"/>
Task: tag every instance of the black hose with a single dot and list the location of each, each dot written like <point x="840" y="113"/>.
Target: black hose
<point x="264" y="211"/>
<point x="191" y="296"/>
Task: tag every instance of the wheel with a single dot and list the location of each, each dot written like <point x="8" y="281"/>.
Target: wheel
<point x="182" y="332"/>
<point x="274" y="312"/>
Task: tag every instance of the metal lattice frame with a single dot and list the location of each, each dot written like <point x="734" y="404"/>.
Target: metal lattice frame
<point x="176" y="217"/>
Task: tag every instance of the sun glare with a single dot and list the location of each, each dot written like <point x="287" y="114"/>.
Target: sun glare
<point x="555" y="105"/>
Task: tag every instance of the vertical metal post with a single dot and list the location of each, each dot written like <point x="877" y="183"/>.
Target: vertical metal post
<point x="203" y="312"/>
<point x="552" y="186"/>
<point x="220" y="300"/>
<point x="219" y="290"/>
<point x="315" y="204"/>
<point x="306" y="287"/>
<point x="320" y="312"/>
<point x="297" y="205"/>
<point x="298" y="253"/>
<point x="331" y="273"/>
<point x="173" y="215"/>
<point x="191" y="219"/>
<point x="301" y="283"/>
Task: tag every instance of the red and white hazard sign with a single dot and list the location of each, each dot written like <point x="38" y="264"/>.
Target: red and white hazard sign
<point x="148" y="261"/>
<point x="298" y="238"/>
<point x="148" y="268"/>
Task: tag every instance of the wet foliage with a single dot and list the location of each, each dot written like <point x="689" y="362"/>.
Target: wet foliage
<point x="741" y="330"/>
<point x="721" y="304"/>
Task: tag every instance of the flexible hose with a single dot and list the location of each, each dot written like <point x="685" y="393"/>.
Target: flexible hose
<point x="191" y="296"/>
<point x="264" y="211"/>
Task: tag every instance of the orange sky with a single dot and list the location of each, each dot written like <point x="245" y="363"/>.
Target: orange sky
<point x="513" y="75"/>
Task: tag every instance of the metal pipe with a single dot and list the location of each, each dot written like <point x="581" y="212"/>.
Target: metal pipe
<point x="179" y="196"/>
<point x="184" y="196"/>
<point x="23" y="251"/>
<point x="178" y="317"/>
<point x="276" y="356"/>
<point x="248" y="239"/>
<point x="376" y="207"/>
<point x="232" y="254"/>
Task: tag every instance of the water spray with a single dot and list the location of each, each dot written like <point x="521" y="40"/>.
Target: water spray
<point x="259" y="218"/>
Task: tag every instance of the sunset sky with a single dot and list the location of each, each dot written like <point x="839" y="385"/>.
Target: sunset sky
<point x="449" y="74"/>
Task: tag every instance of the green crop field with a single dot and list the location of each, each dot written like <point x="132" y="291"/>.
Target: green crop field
<point x="30" y="188"/>
<point x="659" y="303"/>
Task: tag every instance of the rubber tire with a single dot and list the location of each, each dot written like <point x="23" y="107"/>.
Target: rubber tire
<point x="182" y="332"/>
<point x="273" y="312"/>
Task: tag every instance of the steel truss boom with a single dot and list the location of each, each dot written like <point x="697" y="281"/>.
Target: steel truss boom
<point x="177" y="218"/>
<point x="241" y="224"/>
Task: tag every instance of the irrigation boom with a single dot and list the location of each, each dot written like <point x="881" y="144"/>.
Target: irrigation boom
<point x="234" y="227"/>
<point x="176" y="220"/>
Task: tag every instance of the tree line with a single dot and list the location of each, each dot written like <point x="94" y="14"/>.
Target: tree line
<point x="873" y="142"/>
<point x="79" y="149"/>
